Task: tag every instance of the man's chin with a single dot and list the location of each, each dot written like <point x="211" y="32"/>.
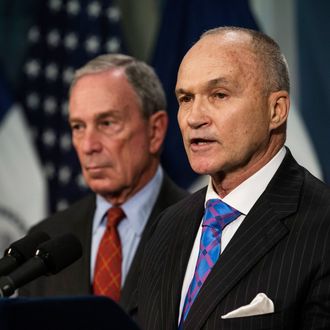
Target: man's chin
<point x="104" y="188"/>
<point x="100" y="187"/>
<point x="201" y="169"/>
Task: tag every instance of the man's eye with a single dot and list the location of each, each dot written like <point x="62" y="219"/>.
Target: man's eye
<point x="220" y="95"/>
<point x="76" y="127"/>
<point x="185" y="99"/>
<point x="107" y="123"/>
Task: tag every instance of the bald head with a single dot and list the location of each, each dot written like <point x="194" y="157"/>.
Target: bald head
<point x="233" y="104"/>
<point x="268" y="55"/>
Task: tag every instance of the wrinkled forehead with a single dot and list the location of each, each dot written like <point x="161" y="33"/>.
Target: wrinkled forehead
<point x="226" y="55"/>
<point x="227" y="47"/>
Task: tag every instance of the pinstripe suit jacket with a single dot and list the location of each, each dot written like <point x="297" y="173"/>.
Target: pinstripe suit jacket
<point x="77" y="219"/>
<point x="282" y="249"/>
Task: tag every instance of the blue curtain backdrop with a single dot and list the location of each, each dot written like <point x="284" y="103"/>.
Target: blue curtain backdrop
<point x="314" y="69"/>
<point x="182" y="24"/>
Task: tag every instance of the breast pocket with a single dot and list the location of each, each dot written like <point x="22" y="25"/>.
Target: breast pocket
<point x="273" y="321"/>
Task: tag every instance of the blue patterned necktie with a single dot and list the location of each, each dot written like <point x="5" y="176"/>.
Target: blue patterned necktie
<point x="217" y="215"/>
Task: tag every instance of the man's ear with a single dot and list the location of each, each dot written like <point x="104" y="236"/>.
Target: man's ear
<point x="279" y="103"/>
<point x="158" y="123"/>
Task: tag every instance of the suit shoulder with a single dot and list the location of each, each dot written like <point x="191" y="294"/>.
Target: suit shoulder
<point x="172" y="190"/>
<point x="57" y="222"/>
<point x="186" y="203"/>
<point x="315" y="187"/>
<point x="169" y="194"/>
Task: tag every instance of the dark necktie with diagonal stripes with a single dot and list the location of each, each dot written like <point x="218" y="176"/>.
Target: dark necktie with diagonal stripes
<point x="217" y="215"/>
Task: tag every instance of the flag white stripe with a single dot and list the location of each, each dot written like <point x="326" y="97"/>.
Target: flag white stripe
<point x="22" y="189"/>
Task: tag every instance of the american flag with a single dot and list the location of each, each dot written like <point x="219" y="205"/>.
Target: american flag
<point x="66" y="35"/>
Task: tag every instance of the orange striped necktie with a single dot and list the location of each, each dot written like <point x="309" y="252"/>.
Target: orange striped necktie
<point x="107" y="273"/>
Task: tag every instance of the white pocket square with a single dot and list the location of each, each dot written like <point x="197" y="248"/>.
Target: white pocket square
<point x="261" y="304"/>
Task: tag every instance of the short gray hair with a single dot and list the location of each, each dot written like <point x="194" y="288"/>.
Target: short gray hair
<point x="275" y="66"/>
<point x="140" y="75"/>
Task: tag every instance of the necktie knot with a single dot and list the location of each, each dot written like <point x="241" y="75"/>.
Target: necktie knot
<point x="218" y="214"/>
<point x="115" y="215"/>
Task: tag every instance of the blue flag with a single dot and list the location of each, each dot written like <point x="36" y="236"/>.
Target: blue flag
<point x="314" y="69"/>
<point x="66" y="35"/>
<point x="182" y="24"/>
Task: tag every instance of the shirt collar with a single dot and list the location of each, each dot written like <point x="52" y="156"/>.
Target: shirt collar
<point x="137" y="209"/>
<point x="244" y="196"/>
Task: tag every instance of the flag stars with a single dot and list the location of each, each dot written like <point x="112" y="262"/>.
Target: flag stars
<point x="92" y="44"/>
<point x="55" y="5"/>
<point x="53" y="38"/>
<point x="49" y="138"/>
<point x="112" y="45"/>
<point x="73" y="7"/>
<point x="51" y="71"/>
<point x="58" y="47"/>
<point x="71" y="41"/>
<point x="62" y="204"/>
<point x="113" y="14"/>
<point x="34" y="34"/>
<point x="33" y="100"/>
<point x="50" y="105"/>
<point x="94" y="9"/>
<point x="67" y="75"/>
<point x="65" y="142"/>
<point x="64" y="174"/>
<point x="65" y="109"/>
<point x="81" y="181"/>
<point x="32" y="68"/>
<point x="49" y="170"/>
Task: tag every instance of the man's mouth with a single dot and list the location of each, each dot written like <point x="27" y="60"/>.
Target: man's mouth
<point x="200" y="142"/>
<point x="94" y="167"/>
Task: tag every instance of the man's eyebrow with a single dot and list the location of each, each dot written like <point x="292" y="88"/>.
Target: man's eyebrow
<point x="104" y="114"/>
<point x="71" y="119"/>
<point x="98" y="116"/>
<point x="209" y="84"/>
<point x="217" y="81"/>
<point x="180" y="91"/>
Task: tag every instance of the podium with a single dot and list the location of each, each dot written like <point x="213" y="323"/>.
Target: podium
<point x="63" y="313"/>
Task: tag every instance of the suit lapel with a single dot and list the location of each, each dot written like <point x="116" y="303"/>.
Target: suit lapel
<point x="261" y="230"/>
<point x="83" y="229"/>
<point x="128" y="298"/>
<point x="182" y="239"/>
<point x="169" y="194"/>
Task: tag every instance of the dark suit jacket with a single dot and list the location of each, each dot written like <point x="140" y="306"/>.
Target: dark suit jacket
<point x="282" y="249"/>
<point x="77" y="219"/>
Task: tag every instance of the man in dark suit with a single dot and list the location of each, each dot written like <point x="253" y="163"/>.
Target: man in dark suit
<point x="118" y="120"/>
<point x="251" y="250"/>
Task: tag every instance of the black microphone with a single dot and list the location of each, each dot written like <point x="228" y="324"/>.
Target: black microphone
<point x="50" y="258"/>
<point x="20" y="251"/>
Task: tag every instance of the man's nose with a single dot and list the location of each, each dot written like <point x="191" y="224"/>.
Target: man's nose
<point x="91" y="141"/>
<point x="198" y="115"/>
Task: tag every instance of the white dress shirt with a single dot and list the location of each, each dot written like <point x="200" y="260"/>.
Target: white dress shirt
<point x="137" y="210"/>
<point x="242" y="198"/>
